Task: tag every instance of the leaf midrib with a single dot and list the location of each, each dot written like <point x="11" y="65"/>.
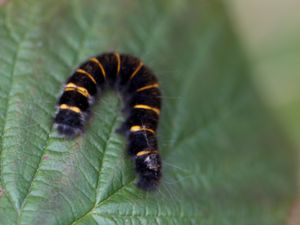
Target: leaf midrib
<point x="19" y="219"/>
<point x="75" y="60"/>
<point x="7" y="109"/>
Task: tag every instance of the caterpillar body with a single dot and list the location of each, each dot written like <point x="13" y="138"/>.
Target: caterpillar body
<point x="140" y="90"/>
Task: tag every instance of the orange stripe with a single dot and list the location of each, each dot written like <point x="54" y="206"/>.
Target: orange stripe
<point x="136" y="70"/>
<point x="137" y="128"/>
<point x="87" y="74"/>
<point x="146" y="152"/>
<point x="119" y="62"/>
<point x="140" y="106"/>
<point x="155" y="85"/>
<point x="72" y="108"/>
<point x="95" y="60"/>
<point x="74" y="87"/>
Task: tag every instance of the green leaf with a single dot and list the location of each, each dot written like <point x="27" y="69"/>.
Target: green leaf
<point x="225" y="161"/>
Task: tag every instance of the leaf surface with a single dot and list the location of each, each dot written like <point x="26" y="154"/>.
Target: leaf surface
<point x="225" y="160"/>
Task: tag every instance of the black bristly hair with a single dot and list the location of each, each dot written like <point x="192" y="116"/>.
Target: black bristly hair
<point x="140" y="90"/>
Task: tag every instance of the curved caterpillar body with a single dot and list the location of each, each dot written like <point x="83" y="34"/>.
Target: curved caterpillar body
<point x="139" y="88"/>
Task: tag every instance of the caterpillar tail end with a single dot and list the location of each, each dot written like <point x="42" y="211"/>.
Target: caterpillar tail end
<point x="68" y="123"/>
<point x="67" y="131"/>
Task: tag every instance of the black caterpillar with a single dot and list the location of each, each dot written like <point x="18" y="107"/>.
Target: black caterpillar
<point x="140" y="90"/>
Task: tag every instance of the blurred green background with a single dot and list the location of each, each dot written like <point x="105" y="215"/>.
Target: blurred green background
<point x="269" y="31"/>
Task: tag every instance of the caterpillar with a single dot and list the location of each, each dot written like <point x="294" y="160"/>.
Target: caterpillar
<point x="139" y="89"/>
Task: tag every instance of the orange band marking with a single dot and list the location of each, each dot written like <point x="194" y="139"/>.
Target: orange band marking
<point x="119" y="62"/>
<point x="140" y="106"/>
<point x="87" y="74"/>
<point x="72" y="108"/>
<point x="146" y="152"/>
<point x="95" y="60"/>
<point x="155" y="85"/>
<point x="74" y="87"/>
<point x="137" y="128"/>
<point x="136" y="70"/>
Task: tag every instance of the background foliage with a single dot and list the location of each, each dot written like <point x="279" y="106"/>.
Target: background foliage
<point x="225" y="159"/>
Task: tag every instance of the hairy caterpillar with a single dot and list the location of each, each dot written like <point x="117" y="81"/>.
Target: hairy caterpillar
<point x="140" y="91"/>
